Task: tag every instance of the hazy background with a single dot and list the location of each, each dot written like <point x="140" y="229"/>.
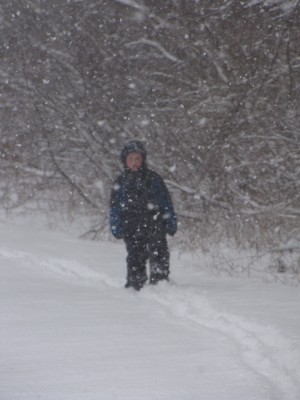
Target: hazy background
<point x="211" y="87"/>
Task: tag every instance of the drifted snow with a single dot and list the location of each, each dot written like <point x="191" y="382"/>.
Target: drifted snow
<point x="70" y="331"/>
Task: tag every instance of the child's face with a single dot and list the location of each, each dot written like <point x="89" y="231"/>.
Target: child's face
<point x="134" y="161"/>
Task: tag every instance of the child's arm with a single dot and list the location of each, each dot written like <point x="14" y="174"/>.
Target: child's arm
<point x="166" y="205"/>
<point x="115" y="212"/>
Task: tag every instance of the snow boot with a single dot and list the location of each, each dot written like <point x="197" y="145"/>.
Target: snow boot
<point x="155" y="278"/>
<point x="135" y="285"/>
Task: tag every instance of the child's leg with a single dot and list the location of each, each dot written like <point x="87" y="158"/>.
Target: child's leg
<point x="136" y="262"/>
<point x="159" y="258"/>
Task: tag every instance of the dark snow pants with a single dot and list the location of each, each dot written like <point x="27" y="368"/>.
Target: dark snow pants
<point x="140" y="249"/>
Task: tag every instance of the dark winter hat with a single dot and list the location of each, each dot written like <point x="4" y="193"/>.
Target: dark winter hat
<point x="133" y="146"/>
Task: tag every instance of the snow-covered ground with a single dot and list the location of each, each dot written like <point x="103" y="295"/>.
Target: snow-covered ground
<point x="70" y="331"/>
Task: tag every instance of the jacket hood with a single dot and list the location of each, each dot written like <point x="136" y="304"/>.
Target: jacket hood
<point x="133" y="146"/>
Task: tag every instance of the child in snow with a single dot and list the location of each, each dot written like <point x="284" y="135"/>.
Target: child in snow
<point x="141" y="213"/>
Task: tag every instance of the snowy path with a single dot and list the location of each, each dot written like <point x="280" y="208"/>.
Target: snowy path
<point x="70" y="331"/>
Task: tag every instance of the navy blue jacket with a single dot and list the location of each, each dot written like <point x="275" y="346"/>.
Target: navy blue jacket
<point x="141" y="205"/>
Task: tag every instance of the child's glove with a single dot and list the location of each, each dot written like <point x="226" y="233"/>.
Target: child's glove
<point x="171" y="227"/>
<point x="117" y="232"/>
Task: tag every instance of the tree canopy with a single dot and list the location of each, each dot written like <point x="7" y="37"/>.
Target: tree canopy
<point x="212" y="88"/>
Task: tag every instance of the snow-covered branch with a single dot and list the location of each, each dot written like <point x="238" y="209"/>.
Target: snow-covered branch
<point x="131" y="3"/>
<point x="154" y="44"/>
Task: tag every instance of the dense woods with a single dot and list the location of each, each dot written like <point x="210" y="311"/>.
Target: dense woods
<point x="211" y="87"/>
